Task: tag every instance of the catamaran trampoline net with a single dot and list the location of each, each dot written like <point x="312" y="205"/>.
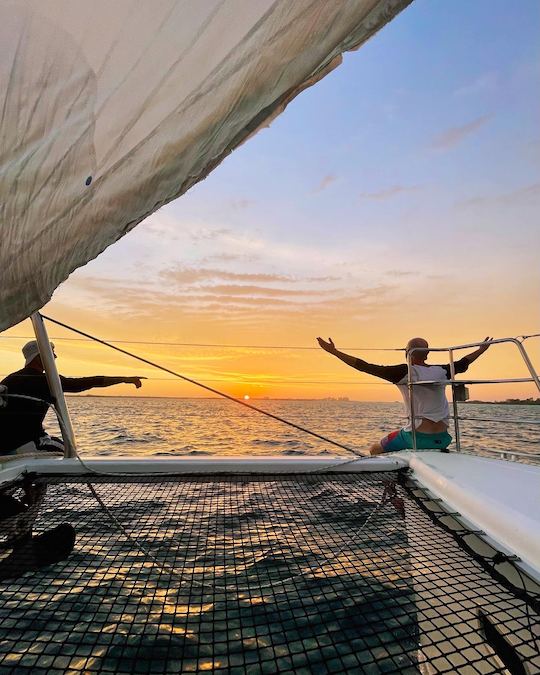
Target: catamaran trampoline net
<point x="348" y="573"/>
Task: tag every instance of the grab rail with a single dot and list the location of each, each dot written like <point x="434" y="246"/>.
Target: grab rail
<point x="455" y="383"/>
<point x="452" y="381"/>
<point x="506" y="420"/>
<point x="510" y="454"/>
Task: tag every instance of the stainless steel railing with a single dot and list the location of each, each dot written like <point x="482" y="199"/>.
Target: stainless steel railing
<point x="455" y="384"/>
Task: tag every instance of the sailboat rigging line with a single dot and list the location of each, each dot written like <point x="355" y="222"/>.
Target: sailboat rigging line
<point x="205" y="386"/>
<point x="248" y="383"/>
<point x="210" y="344"/>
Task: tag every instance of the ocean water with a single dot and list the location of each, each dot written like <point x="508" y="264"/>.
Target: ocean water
<point x="170" y="427"/>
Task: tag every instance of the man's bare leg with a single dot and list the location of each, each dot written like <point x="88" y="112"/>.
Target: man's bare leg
<point x="375" y="449"/>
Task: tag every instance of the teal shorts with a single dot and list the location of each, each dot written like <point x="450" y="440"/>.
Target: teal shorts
<point x="403" y="440"/>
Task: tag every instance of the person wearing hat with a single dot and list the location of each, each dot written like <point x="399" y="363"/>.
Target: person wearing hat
<point x="21" y="420"/>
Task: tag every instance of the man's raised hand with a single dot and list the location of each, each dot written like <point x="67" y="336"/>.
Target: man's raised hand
<point x="486" y="346"/>
<point x="329" y="346"/>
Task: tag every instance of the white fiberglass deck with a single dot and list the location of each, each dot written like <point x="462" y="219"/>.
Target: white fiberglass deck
<point x="499" y="497"/>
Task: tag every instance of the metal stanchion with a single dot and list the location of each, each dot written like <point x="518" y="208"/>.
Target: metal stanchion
<point x="55" y="387"/>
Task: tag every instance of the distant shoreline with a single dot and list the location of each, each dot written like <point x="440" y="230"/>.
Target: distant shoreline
<point x="510" y="401"/>
<point x="220" y="398"/>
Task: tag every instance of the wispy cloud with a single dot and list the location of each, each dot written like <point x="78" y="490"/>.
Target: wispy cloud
<point x="531" y="149"/>
<point x="161" y="224"/>
<point x="520" y="195"/>
<point x="230" y="257"/>
<point x="325" y="182"/>
<point x="322" y="279"/>
<point x="249" y="305"/>
<point x="482" y="84"/>
<point x="227" y="299"/>
<point x="453" y="136"/>
<point x="401" y="273"/>
<point x="389" y="192"/>
<point x="166" y="226"/>
<point x="192" y="275"/>
<point x="207" y="234"/>
<point x="241" y="289"/>
<point x="239" y="204"/>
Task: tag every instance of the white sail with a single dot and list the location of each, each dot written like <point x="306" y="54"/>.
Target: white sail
<point x="110" y="109"/>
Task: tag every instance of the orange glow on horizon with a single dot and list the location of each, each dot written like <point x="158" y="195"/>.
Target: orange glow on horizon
<point x="269" y="373"/>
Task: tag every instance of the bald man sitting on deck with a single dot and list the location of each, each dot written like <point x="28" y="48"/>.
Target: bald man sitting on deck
<point x="430" y="404"/>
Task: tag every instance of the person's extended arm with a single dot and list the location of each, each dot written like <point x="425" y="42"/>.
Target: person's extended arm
<point x="474" y="355"/>
<point x="390" y="373"/>
<point x="330" y="347"/>
<point x="74" y="385"/>
<point x="462" y="365"/>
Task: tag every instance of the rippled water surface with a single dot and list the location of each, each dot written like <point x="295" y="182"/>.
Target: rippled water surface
<point x="159" y="426"/>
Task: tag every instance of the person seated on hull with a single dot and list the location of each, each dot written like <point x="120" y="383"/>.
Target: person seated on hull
<point x="430" y="404"/>
<point x="21" y="420"/>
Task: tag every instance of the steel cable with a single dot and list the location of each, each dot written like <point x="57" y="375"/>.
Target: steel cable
<point x="206" y="387"/>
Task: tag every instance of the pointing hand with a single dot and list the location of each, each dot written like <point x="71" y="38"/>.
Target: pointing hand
<point x="136" y="381"/>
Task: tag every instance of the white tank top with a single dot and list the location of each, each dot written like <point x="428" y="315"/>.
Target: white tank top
<point x="429" y="399"/>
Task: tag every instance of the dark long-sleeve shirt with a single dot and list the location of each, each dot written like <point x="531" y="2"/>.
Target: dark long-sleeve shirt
<point x="395" y="374"/>
<point x="21" y="421"/>
<point x="430" y="401"/>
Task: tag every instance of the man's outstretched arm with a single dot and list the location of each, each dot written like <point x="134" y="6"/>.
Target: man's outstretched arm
<point x="474" y="355"/>
<point x="464" y="362"/>
<point x="74" y="385"/>
<point x="330" y="347"/>
<point x="389" y="373"/>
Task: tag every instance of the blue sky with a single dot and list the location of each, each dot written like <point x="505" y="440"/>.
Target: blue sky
<point x="439" y="108"/>
<point x="398" y="196"/>
<point x="430" y="120"/>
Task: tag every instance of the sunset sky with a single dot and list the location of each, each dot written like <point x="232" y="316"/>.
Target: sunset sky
<point x="398" y="197"/>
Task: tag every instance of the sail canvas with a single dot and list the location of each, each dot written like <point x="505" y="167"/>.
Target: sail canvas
<point x="110" y="110"/>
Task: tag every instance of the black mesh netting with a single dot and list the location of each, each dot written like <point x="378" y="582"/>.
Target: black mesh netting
<point x="297" y="574"/>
